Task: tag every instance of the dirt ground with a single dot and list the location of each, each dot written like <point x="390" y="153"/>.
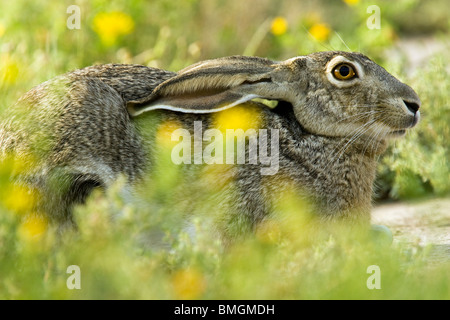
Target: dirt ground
<point x="424" y="224"/>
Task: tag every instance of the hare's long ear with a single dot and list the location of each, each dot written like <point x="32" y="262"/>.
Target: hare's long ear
<point x="215" y="85"/>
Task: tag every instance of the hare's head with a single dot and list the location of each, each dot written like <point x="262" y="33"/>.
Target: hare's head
<point x="347" y="94"/>
<point x="332" y="93"/>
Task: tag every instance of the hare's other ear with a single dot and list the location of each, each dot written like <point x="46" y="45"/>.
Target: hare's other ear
<point x="215" y="85"/>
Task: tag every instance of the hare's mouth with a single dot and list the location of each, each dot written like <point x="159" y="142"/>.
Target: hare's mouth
<point x="397" y="133"/>
<point x="408" y="123"/>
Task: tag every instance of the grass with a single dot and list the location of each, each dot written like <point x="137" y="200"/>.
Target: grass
<point x="146" y="253"/>
<point x="279" y="262"/>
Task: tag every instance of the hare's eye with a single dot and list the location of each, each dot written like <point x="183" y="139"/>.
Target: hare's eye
<point x="344" y="71"/>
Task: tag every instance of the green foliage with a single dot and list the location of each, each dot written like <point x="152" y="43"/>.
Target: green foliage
<point x="420" y="162"/>
<point x="145" y="250"/>
<point x="280" y="262"/>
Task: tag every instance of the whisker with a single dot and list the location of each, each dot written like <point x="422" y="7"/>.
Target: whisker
<point x="358" y="132"/>
<point x="356" y="136"/>
<point x="373" y="138"/>
<point x="336" y="107"/>
<point x="359" y="116"/>
<point x="342" y="41"/>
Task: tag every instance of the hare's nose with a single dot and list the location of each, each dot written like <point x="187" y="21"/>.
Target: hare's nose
<point x="412" y="106"/>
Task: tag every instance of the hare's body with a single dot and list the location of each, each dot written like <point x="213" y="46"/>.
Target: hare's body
<point x="337" y="186"/>
<point x="66" y="128"/>
<point x="86" y="128"/>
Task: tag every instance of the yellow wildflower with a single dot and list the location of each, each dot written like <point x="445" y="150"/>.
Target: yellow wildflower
<point x="32" y="228"/>
<point x="279" y="26"/>
<point x="9" y="70"/>
<point x="320" y="31"/>
<point x="188" y="284"/>
<point x="351" y="2"/>
<point x="19" y="199"/>
<point x="111" y="25"/>
<point x="2" y="30"/>
<point x="240" y="117"/>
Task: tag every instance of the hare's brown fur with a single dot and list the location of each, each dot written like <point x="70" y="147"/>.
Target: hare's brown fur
<point x="87" y="127"/>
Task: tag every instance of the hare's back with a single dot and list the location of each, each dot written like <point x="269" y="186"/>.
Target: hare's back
<point x="131" y="81"/>
<point x="79" y="121"/>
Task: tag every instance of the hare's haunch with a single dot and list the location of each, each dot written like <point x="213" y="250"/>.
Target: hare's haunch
<point x="334" y="113"/>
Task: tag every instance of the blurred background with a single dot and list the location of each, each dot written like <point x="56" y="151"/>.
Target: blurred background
<point x="42" y="39"/>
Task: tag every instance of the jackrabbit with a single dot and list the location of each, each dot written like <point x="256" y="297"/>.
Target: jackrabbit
<point x="335" y="111"/>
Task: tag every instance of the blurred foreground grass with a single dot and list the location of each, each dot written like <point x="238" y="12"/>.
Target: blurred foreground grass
<point x="281" y="261"/>
<point x="284" y="259"/>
